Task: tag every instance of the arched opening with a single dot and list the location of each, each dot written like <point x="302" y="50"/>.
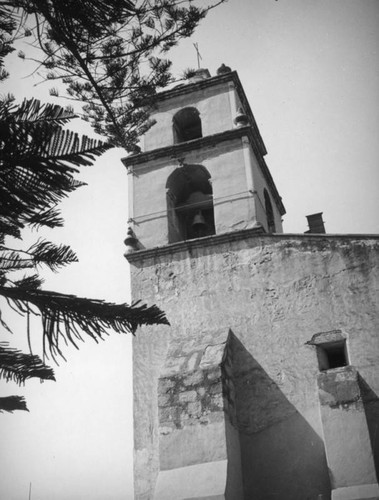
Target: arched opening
<point x="186" y="125"/>
<point x="269" y="213"/>
<point x="189" y="203"/>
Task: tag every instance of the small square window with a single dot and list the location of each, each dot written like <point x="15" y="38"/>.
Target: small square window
<point x="332" y="355"/>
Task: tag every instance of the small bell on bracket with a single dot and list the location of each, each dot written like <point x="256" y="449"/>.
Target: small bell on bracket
<point x="241" y="119"/>
<point x="130" y="242"/>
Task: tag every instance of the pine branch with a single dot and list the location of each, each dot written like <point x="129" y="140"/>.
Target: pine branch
<point x="32" y="111"/>
<point x="12" y="403"/>
<point x="42" y="252"/>
<point x="29" y="282"/>
<point x="54" y="256"/>
<point x="11" y="260"/>
<point x="17" y="366"/>
<point x="99" y="49"/>
<point x="49" y="218"/>
<point x="68" y="318"/>
<point x="34" y="131"/>
<point x="4" y="324"/>
<point x="37" y="163"/>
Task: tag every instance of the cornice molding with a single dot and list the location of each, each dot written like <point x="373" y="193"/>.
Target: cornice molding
<point x="215" y="239"/>
<point x="189" y="87"/>
<point x="243" y="234"/>
<point x="175" y="150"/>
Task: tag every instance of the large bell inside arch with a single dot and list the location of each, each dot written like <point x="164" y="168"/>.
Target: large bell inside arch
<point x="199" y="225"/>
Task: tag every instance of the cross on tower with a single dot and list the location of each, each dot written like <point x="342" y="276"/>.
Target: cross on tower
<point x="196" y="45"/>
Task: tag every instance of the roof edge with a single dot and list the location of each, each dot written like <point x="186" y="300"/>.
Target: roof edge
<point x="212" y="81"/>
<point x="256" y="232"/>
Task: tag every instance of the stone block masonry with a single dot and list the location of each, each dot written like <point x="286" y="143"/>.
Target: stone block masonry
<point x="194" y="400"/>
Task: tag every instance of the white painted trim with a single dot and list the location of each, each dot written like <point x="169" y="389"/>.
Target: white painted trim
<point x="206" y="480"/>
<point x="233" y="103"/>
<point x="358" y="492"/>
<point x="248" y="160"/>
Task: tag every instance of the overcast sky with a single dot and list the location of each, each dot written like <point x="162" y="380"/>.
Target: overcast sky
<point x="310" y="69"/>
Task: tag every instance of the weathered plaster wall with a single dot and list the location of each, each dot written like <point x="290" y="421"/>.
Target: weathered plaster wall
<point x="212" y="103"/>
<point x="350" y="458"/>
<point x="274" y="293"/>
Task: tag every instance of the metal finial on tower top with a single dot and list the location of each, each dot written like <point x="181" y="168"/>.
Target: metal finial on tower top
<point x="196" y="45"/>
<point x="223" y="69"/>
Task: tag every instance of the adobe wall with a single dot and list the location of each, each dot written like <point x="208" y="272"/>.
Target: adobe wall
<point x="273" y="292"/>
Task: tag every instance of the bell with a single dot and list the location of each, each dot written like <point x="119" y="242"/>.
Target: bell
<point x="241" y="120"/>
<point x="198" y="223"/>
<point x="130" y="242"/>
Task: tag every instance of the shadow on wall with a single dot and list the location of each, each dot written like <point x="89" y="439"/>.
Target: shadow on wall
<point x="371" y="406"/>
<point x="282" y="456"/>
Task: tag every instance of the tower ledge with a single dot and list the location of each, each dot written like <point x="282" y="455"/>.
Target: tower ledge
<point x="176" y="150"/>
<point x="217" y="239"/>
<point x="211" y="82"/>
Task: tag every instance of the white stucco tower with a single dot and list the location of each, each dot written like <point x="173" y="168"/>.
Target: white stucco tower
<point x="204" y="156"/>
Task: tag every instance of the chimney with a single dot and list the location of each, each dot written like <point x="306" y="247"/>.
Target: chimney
<point x="316" y="224"/>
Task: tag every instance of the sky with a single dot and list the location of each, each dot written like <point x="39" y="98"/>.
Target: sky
<point x="310" y="70"/>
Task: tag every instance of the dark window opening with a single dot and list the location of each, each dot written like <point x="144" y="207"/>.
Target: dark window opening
<point x="189" y="204"/>
<point x="187" y="125"/>
<point x="269" y="213"/>
<point x="332" y="355"/>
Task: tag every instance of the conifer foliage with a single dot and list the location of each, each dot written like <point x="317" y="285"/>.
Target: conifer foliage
<point x="38" y="161"/>
<point x="109" y="56"/>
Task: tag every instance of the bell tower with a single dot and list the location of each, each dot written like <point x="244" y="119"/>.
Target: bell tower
<point x="199" y="189"/>
<point x="202" y="170"/>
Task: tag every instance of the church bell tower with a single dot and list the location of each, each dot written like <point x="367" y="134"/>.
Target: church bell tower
<point x="198" y="192"/>
<point x="202" y="170"/>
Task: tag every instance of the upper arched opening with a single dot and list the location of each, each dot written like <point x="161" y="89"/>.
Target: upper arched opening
<point x="269" y="212"/>
<point x="188" y="179"/>
<point x="187" y="125"/>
